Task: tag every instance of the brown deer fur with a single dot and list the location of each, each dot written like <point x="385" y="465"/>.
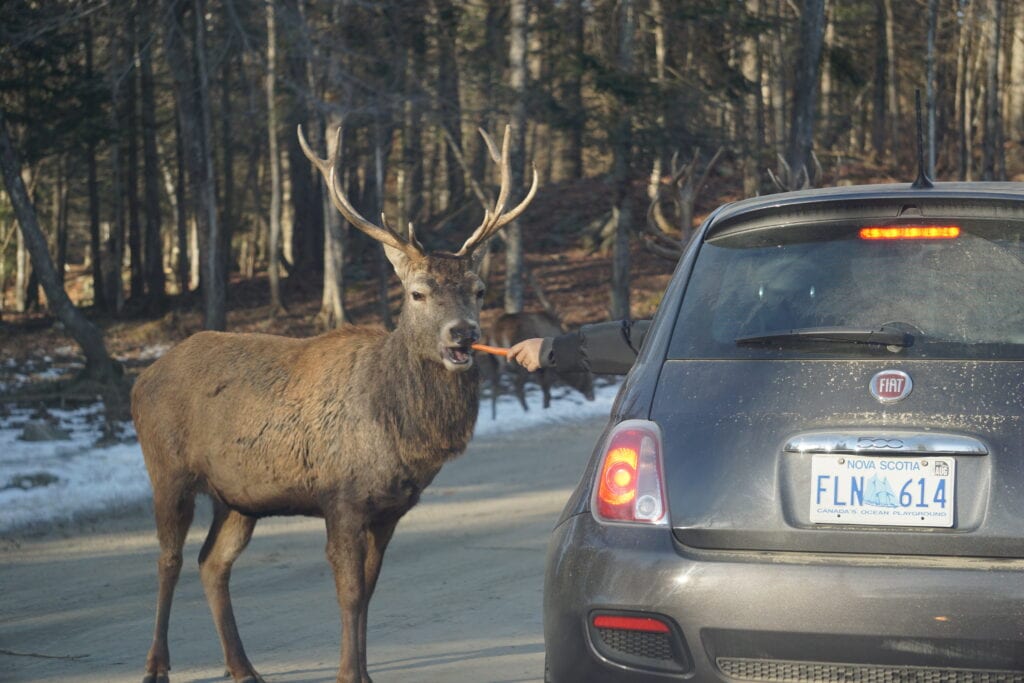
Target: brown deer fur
<point x="350" y="426"/>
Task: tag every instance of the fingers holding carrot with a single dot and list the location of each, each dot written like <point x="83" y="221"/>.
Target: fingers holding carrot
<point x="527" y="353"/>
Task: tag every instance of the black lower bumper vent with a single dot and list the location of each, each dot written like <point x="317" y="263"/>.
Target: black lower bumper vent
<point x="781" y="671"/>
<point x="640" y="641"/>
<point x="657" y="646"/>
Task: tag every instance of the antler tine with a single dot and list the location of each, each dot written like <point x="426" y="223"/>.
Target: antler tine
<point x="384" y="235"/>
<point x="491" y="147"/>
<point x="410" y="235"/>
<point x="673" y="165"/>
<point x="506" y="172"/>
<point x="655" y="216"/>
<point x="322" y="165"/>
<point x="509" y="216"/>
<point x="496" y="218"/>
<point x="328" y="169"/>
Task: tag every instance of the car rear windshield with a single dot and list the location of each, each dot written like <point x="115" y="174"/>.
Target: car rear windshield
<point x="848" y="289"/>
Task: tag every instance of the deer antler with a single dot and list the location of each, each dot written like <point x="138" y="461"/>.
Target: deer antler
<point x="383" y="233"/>
<point x="787" y="180"/>
<point x="661" y="236"/>
<point x="496" y="218"/>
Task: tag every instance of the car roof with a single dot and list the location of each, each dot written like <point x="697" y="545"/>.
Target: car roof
<point x="882" y="201"/>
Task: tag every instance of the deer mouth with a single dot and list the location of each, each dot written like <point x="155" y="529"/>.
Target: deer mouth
<point x="457" y="356"/>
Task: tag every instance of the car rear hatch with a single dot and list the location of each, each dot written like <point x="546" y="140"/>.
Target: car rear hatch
<point x="829" y="391"/>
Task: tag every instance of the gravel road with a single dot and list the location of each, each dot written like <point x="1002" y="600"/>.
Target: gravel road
<point x="459" y="598"/>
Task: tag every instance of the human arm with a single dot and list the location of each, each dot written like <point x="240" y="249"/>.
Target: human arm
<point x="603" y="348"/>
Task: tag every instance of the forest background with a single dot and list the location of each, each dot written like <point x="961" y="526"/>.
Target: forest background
<point x="150" y="154"/>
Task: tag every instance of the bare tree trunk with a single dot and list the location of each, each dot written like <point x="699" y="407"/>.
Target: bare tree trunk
<point x="777" y="81"/>
<point x="409" y="177"/>
<point x="22" y="265"/>
<point x="153" y="261"/>
<point x="963" y="94"/>
<point x="1016" y="86"/>
<point x="572" y="92"/>
<point x="274" y="238"/>
<point x="827" y="86"/>
<point x="448" y="94"/>
<point x="95" y="247"/>
<point x="518" y="29"/>
<point x="878" y="99"/>
<point x="805" y="86"/>
<point x="380" y="144"/>
<point x="184" y="265"/>
<point x="227" y="141"/>
<point x="332" y="305"/>
<point x="660" y="56"/>
<point x="214" y="275"/>
<point x="992" y="138"/>
<point x="137" y="282"/>
<point x="537" y="144"/>
<point x="192" y="87"/>
<point x="892" y="91"/>
<point x="114" y="279"/>
<point x="307" y="213"/>
<point x="5" y="241"/>
<point x="621" y="150"/>
<point x="933" y="23"/>
<point x="60" y="218"/>
<point x="98" y="362"/>
<point x="753" y="106"/>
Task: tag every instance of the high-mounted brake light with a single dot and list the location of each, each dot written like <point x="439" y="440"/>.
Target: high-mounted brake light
<point x="910" y="232"/>
<point x="630" y="482"/>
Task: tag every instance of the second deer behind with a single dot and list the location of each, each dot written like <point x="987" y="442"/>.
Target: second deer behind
<point x="512" y="328"/>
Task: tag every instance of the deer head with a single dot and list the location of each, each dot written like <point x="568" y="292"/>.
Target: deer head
<point x="443" y="291"/>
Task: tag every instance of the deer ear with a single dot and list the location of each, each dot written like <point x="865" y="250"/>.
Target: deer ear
<point x="399" y="259"/>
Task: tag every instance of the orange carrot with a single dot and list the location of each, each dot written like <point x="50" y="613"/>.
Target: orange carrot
<point x="494" y="350"/>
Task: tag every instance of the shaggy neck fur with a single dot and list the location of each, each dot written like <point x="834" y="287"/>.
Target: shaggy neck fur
<point x="432" y="410"/>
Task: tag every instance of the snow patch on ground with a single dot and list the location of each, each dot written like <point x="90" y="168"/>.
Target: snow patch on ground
<point x="51" y="482"/>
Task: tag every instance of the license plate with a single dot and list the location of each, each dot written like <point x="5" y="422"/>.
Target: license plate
<point x="905" y="491"/>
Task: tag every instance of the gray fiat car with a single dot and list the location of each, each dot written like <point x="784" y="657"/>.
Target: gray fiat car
<point x="815" y="470"/>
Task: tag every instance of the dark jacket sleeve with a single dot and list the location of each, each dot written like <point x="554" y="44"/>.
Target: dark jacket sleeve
<point x="602" y="348"/>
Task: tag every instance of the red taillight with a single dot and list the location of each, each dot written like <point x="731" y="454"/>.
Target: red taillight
<point x="645" y="624"/>
<point x="910" y="232"/>
<point x="629" y="486"/>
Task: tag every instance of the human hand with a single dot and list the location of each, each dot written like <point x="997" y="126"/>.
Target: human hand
<point x="526" y="353"/>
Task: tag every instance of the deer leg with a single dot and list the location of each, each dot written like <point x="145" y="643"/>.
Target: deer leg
<point x="173" y="511"/>
<point x="520" y="384"/>
<point x="546" y="380"/>
<point x="377" y="538"/>
<point x="495" y="391"/>
<point x="346" y="551"/>
<point x="229" y="534"/>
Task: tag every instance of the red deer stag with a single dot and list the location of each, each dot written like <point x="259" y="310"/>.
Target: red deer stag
<point x="512" y="328"/>
<point x="349" y="426"/>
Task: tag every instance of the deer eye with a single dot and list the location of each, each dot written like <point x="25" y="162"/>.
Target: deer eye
<point x="479" y="294"/>
<point x="419" y="296"/>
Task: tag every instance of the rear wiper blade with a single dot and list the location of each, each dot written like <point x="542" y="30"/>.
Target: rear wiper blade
<point x="886" y="336"/>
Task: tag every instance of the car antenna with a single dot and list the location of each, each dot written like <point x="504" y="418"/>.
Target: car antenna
<point x="923" y="182"/>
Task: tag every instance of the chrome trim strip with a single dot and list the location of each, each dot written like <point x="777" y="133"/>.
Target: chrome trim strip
<point x="893" y="442"/>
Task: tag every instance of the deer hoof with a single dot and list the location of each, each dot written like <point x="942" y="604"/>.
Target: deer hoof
<point x="159" y="677"/>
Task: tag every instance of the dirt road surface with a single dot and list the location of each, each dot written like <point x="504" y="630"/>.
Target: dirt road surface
<point x="459" y="598"/>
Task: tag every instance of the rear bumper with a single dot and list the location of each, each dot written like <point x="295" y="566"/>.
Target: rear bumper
<point x="761" y="615"/>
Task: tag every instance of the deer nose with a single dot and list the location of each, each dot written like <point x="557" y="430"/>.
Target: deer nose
<point x="464" y="332"/>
